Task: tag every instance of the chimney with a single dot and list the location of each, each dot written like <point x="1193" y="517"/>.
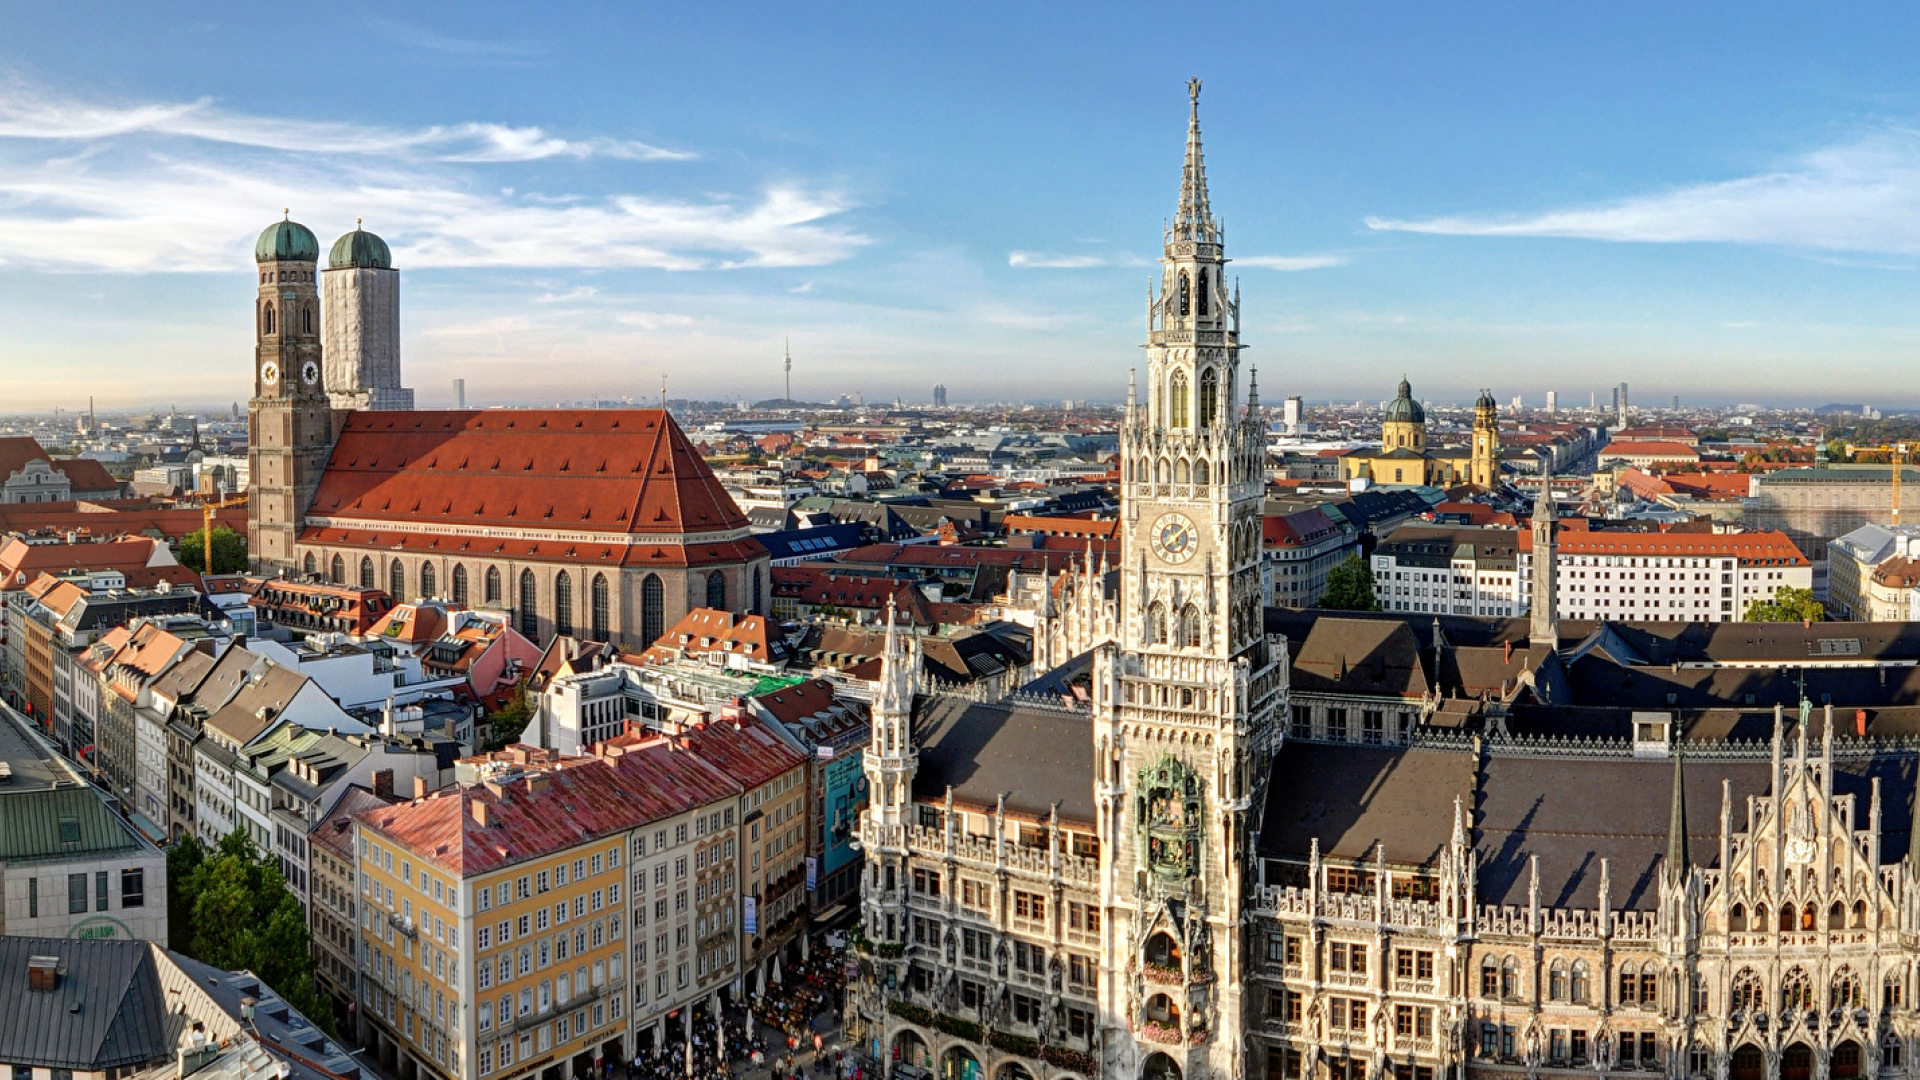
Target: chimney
<point x="1860" y="723"/>
<point x="480" y="811"/>
<point x="43" y="973"/>
<point x="383" y="783"/>
<point x="537" y="783"/>
<point x="419" y="787"/>
<point x="196" y="1051"/>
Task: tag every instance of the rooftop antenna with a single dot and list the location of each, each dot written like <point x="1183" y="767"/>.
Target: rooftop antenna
<point x="788" y="351"/>
<point x="663" y="391"/>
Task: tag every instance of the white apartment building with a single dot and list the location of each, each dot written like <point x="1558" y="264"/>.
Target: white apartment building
<point x="1623" y="576"/>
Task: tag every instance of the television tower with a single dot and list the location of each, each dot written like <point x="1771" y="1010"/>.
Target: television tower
<point x="788" y="349"/>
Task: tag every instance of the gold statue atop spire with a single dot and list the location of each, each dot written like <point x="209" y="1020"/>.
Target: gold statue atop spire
<point x="1193" y="91"/>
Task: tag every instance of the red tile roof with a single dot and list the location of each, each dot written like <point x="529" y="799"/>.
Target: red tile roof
<point x="1771" y="548"/>
<point x="1299" y="527"/>
<point x="1671" y="451"/>
<point x="21" y="562"/>
<point x="630" y="471"/>
<point x="555" y="804"/>
<point x="707" y="631"/>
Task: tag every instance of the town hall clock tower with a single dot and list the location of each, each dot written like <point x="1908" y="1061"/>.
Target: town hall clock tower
<point x="1185" y="700"/>
<point x="289" y="419"/>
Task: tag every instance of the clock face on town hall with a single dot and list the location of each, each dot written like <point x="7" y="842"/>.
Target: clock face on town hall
<point x="1174" y="538"/>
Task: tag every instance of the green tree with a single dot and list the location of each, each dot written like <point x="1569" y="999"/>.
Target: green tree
<point x="505" y="724"/>
<point x="1788" y="605"/>
<point x="229" y="551"/>
<point x="1350" y="587"/>
<point x="230" y="907"/>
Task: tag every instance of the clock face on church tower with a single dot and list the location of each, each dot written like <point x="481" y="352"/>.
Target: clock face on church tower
<point x="309" y="373"/>
<point x="270" y="373"/>
<point x="1174" y="538"/>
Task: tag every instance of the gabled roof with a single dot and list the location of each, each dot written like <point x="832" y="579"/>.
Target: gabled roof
<point x="627" y="471"/>
<point x="1360" y="656"/>
<point x="1041" y="756"/>
<point x="105" y="1011"/>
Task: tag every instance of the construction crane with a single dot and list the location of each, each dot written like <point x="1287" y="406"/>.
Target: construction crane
<point x="220" y="501"/>
<point x="1897" y="455"/>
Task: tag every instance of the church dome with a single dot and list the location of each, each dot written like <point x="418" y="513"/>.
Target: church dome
<point x="1403" y="409"/>
<point x="1486" y="401"/>
<point x="361" y="249"/>
<point x="287" y="241"/>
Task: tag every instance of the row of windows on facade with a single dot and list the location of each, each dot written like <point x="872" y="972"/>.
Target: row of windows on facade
<point x="1373" y="725"/>
<point x="133" y="891"/>
<point x="501" y="1056"/>
<point x="1805" y="917"/>
<point x="599" y="604"/>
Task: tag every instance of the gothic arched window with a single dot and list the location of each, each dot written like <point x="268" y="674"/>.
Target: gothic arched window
<point x="563" y="604"/>
<point x="460" y="584"/>
<point x="266" y="318"/>
<point x="1557" y="981"/>
<point x="1200" y="472"/>
<point x="1160" y="471"/>
<point x="717" y="591"/>
<point x="1180" y="471"/>
<point x="310" y="565"/>
<point x="1177" y="396"/>
<point x="366" y="571"/>
<point x="1579" y="980"/>
<point x="756" y="592"/>
<point x="1209" y="397"/>
<point x="339" y="568"/>
<point x="1204" y="292"/>
<point x="1787" y="921"/>
<point x="1796" y="991"/>
<point x="653" y="604"/>
<point x="490" y="590"/>
<point x="529" y="599"/>
<point x="397" y="580"/>
<point x="428" y="585"/>
<point x="1190" y="626"/>
<point x="306" y="320"/>
<point x="597" y="607"/>
<point x="1156" y="624"/>
<point x="1186" y="297"/>
<point x="1737" y="918"/>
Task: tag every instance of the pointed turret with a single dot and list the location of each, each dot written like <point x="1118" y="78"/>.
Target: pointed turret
<point x="1677" y="820"/>
<point x="1193" y="221"/>
<point x="1544" y="628"/>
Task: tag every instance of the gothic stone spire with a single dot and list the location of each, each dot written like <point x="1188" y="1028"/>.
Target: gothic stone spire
<point x="1193" y="221"/>
<point x="1677" y="819"/>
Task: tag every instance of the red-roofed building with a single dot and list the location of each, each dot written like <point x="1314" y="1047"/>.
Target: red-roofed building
<point x="1650" y="455"/>
<point x="320" y="607"/>
<point x="1297" y="550"/>
<point x="720" y="638"/>
<point x="1658" y="433"/>
<point x="605" y="523"/>
<point x="1667" y="576"/>
<point x="535" y="855"/>
<point x="28" y="474"/>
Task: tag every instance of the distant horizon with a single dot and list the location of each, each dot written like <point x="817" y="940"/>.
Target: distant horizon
<point x="1510" y="196"/>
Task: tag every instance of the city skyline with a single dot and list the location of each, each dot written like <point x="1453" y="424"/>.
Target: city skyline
<point x="1525" y="201"/>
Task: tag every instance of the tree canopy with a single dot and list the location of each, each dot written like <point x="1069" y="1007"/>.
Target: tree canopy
<point x="228" y="906"/>
<point x="505" y="724"/>
<point x="1788" y="605"/>
<point x="229" y="551"/>
<point x="1350" y="587"/>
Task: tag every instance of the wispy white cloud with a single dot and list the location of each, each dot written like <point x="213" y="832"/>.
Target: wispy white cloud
<point x="1861" y="195"/>
<point x="469" y="48"/>
<point x="1034" y="260"/>
<point x="26" y="114"/>
<point x="652" y="320"/>
<point x="1290" y="262"/>
<point x="193" y="199"/>
<point x="574" y="295"/>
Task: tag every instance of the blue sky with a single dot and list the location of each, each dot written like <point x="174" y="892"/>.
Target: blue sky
<point x="1721" y="202"/>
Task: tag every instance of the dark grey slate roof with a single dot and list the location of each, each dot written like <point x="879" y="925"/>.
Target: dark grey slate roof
<point x="105" y="1011"/>
<point x="281" y="1028"/>
<point x="1353" y="797"/>
<point x="1041" y="756"/>
<point x="1572" y="812"/>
